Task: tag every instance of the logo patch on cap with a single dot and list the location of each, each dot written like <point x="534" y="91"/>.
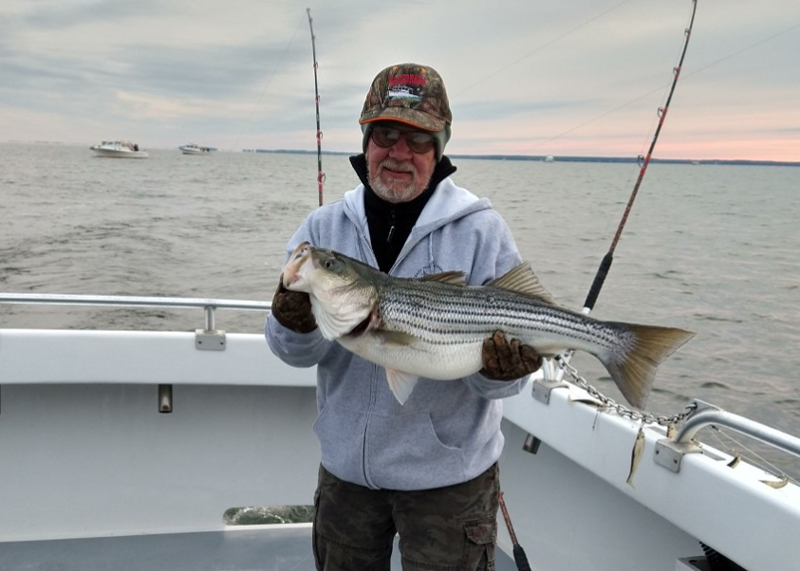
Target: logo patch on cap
<point x="406" y="86"/>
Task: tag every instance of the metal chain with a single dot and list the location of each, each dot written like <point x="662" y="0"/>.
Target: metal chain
<point x="610" y="404"/>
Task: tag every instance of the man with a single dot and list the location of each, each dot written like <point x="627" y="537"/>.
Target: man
<point x="426" y="469"/>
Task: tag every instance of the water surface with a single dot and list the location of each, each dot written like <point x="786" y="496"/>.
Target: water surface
<point x="709" y="248"/>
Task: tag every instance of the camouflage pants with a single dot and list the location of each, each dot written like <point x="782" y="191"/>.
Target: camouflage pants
<point x="444" y="529"/>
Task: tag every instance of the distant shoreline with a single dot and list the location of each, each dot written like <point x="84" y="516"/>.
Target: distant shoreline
<point x="562" y="159"/>
<point x="535" y="158"/>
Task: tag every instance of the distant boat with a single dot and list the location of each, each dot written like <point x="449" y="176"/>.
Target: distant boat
<point x="119" y="150"/>
<point x="550" y="159"/>
<point x="192" y="149"/>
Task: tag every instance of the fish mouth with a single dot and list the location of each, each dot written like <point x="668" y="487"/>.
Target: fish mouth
<point x="292" y="273"/>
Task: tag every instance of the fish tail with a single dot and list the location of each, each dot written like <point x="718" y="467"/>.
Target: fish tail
<point x="634" y="360"/>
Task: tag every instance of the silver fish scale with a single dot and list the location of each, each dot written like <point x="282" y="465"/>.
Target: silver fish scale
<point x="442" y="314"/>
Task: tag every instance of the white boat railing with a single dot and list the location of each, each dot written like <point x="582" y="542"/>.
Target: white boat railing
<point x="670" y="451"/>
<point x="208" y="305"/>
<point x="126" y="300"/>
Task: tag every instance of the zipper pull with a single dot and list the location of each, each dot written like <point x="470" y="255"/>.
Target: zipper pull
<point x="391" y="228"/>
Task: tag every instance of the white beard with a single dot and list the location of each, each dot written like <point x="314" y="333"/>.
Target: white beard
<point x="394" y="194"/>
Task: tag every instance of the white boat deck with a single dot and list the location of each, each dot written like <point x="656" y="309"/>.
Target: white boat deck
<point x="284" y="547"/>
<point x="279" y="548"/>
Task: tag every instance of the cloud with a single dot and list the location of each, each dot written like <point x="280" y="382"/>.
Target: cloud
<point x="520" y="74"/>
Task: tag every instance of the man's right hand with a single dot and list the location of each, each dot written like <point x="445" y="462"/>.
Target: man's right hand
<point x="292" y="309"/>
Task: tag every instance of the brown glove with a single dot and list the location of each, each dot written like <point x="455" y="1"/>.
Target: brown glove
<point x="292" y="309"/>
<point x="504" y="361"/>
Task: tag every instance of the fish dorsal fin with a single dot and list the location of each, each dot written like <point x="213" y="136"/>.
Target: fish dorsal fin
<point x="452" y="278"/>
<point x="522" y="280"/>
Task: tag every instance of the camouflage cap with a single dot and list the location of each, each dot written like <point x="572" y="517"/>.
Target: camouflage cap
<point x="409" y="93"/>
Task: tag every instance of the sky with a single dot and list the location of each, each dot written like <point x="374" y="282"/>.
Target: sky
<point x="524" y="77"/>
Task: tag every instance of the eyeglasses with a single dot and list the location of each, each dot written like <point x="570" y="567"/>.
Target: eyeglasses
<point x="418" y="141"/>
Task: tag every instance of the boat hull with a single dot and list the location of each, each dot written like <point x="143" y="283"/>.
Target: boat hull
<point x="195" y="150"/>
<point x="115" y="154"/>
<point x="80" y="413"/>
<point x="119" y="150"/>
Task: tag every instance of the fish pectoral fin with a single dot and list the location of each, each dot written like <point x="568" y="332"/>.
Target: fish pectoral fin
<point x="394" y="337"/>
<point x="401" y="384"/>
<point x="522" y="280"/>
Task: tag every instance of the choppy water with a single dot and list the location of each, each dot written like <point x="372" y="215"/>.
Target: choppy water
<point x="713" y="249"/>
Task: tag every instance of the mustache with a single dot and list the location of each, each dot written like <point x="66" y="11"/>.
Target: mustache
<point x="395" y="165"/>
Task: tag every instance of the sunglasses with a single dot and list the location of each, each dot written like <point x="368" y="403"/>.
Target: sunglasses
<point x="418" y="141"/>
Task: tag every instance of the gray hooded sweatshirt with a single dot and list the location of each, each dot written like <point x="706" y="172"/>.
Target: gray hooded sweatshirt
<point x="447" y="432"/>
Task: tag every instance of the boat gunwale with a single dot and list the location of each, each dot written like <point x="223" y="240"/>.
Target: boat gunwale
<point x="131" y="301"/>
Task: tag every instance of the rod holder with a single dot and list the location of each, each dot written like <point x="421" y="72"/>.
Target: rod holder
<point x="165" y="399"/>
<point x="531" y="444"/>
<point x="209" y="339"/>
<point x="670" y="452"/>
<point x="209" y="317"/>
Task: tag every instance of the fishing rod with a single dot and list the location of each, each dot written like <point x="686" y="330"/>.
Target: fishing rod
<point x="605" y="264"/>
<point x="519" y="554"/>
<point x="320" y="174"/>
<point x="520" y="557"/>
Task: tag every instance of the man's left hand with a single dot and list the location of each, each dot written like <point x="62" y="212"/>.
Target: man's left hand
<point x="504" y="361"/>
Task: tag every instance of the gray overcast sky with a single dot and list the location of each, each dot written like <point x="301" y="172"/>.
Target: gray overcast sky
<point x="566" y="77"/>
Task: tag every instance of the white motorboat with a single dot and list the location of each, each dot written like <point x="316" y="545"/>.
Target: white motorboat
<point x="125" y="449"/>
<point x="119" y="150"/>
<point x="192" y="149"/>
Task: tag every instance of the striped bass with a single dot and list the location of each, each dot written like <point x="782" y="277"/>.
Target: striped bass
<point x="434" y="327"/>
